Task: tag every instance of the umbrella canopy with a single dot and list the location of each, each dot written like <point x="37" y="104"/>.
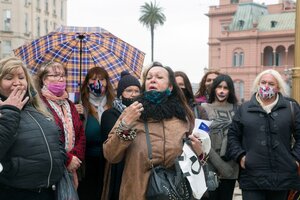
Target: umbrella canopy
<point x="81" y="48"/>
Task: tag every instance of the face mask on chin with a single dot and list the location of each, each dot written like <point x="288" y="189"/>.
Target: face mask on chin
<point x="157" y="97"/>
<point x="266" y="92"/>
<point x="57" y="89"/>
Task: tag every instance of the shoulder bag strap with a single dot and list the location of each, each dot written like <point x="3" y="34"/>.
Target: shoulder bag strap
<point x="293" y="117"/>
<point x="196" y="111"/>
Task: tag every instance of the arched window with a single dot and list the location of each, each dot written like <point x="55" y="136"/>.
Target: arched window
<point x="241" y="59"/>
<point x="238" y="58"/>
<point x="279" y="56"/>
<point x="268" y="59"/>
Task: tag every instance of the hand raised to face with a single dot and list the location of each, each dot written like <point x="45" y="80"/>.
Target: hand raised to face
<point x="132" y="113"/>
<point x="16" y="98"/>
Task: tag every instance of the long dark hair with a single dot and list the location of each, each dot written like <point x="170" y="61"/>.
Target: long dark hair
<point x="176" y="91"/>
<point x="202" y="87"/>
<point x="187" y="84"/>
<point x="98" y="71"/>
<point x="231" y="97"/>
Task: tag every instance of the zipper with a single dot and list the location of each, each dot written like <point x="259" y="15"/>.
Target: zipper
<point x="164" y="147"/>
<point x="48" y="148"/>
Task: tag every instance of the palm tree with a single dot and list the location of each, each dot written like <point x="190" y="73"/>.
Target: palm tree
<point x="152" y="16"/>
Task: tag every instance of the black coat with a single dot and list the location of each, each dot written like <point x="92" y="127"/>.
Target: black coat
<point x="30" y="150"/>
<point x="113" y="172"/>
<point x="265" y="139"/>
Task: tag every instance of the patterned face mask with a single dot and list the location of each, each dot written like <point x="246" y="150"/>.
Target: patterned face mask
<point x="266" y="92"/>
<point x="96" y="88"/>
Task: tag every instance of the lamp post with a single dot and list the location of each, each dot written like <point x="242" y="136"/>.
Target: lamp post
<point x="296" y="69"/>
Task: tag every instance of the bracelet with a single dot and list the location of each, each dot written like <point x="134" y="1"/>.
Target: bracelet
<point x="123" y="125"/>
<point x="203" y="158"/>
<point x="127" y="135"/>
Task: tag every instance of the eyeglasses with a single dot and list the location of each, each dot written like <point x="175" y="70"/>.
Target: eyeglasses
<point x="130" y="91"/>
<point x="57" y="76"/>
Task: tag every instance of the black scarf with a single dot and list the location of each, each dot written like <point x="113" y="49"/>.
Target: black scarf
<point x="163" y="110"/>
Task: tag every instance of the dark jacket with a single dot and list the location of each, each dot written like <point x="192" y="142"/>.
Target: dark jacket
<point x="113" y="172"/>
<point x="265" y="139"/>
<point x="30" y="150"/>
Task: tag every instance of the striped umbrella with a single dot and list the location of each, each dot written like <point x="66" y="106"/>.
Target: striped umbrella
<point x="81" y="48"/>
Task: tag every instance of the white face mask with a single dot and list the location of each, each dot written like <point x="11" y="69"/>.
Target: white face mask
<point x="266" y="92"/>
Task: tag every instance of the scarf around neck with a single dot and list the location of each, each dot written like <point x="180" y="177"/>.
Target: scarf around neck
<point x="166" y="109"/>
<point x="117" y="104"/>
<point x="267" y="108"/>
<point x="99" y="103"/>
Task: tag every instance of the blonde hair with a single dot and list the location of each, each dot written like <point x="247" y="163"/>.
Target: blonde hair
<point x="281" y="83"/>
<point x="9" y="64"/>
<point x="43" y="71"/>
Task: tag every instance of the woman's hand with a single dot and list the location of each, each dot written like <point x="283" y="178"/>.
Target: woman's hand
<point x="74" y="164"/>
<point x="132" y="113"/>
<point x="196" y="144"/>
<point x="79" y="108"/>
<point x="242" y="162"/>
<point x="16" y="98"/>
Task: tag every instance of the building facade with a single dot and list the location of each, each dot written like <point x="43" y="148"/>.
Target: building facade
<point x="24" y="20"/>
<point x="246" y="38"/>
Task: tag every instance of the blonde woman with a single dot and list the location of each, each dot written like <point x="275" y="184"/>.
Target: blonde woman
<point x="51" y="80"/>
<point x="259" y="139"/>
<point x="31" y="154"/>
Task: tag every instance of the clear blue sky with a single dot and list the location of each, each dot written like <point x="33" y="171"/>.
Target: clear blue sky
<point x="180" y="43"/>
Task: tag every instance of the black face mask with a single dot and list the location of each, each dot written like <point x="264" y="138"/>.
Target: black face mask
<point x="127" y="102"/>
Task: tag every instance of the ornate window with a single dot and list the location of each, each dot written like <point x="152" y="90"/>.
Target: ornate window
<point x="6" y="48"/>
<point x="6" y="20"/>
<point x="238" y="58"/>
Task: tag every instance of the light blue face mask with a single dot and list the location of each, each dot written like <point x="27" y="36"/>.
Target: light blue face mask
<point x="157" y="97"/>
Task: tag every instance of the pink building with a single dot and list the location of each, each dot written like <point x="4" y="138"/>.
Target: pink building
<point x="246" y="38"/>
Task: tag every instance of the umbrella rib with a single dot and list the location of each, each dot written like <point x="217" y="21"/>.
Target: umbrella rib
<point x="136" y="52"/>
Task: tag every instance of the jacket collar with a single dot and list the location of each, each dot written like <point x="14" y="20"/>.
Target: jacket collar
<point x="256" y="107"/>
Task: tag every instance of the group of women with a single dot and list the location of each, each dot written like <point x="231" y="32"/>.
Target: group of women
<point x="42" y="133"/>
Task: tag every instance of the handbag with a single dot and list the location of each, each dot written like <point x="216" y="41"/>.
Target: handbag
<point x="65" y="187"/>
<point x="212" y="179"/>
<point x="166" y="183"/>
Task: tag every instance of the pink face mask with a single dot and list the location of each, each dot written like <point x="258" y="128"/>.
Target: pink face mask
<point x="266" y="92"/>
<point x="57" y="89"/>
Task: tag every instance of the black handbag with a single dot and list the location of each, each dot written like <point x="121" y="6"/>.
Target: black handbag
<point x="165" y="183"/>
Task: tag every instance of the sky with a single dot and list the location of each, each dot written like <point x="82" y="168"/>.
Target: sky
<point x="180" y="43"/>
